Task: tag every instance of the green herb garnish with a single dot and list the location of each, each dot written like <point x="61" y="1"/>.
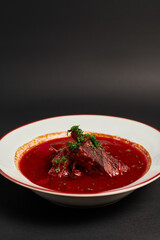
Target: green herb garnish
<point x="128" y="150"/>
<point x="95" y="142"/>
<point x="59" y="160"/>
<point x="57" y="170"/>
<point x="83" y="138"/>
<point x="73" y="145"/>
<point x="80" y="138"/>
<point x="92" y="146"/>
<point x="76" y="129"/>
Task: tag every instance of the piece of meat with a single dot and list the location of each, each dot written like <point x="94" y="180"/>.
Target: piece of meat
<point x="60" y="167"/>
<point x="97" y="159"/>
<point x="64" y="168"/>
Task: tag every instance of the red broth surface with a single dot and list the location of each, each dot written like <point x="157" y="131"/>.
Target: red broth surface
<point x="36" y="163"/>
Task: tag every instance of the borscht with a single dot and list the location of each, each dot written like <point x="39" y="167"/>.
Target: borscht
<point x="82" y="162"/>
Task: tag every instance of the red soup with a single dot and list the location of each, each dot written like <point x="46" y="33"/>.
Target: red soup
<point x="36" y="163"/>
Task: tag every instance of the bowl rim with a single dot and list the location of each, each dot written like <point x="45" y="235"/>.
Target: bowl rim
<point x="115" y="191"/>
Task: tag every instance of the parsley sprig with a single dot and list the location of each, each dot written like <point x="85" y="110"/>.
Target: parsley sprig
<point x="95" y="142"/>
<point x="80" y="138"/>
<point x="61" y="162"/>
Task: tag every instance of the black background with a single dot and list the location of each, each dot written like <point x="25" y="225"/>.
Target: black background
<point x="73" y="57"/>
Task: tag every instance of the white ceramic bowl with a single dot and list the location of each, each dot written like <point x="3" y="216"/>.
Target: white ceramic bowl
<point x="134" y="131"/>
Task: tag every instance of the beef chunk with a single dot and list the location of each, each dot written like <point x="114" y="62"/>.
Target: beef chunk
<point x="97" y="159"/>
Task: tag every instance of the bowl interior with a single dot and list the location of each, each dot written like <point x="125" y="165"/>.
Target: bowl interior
<point x="134" y="131"/>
